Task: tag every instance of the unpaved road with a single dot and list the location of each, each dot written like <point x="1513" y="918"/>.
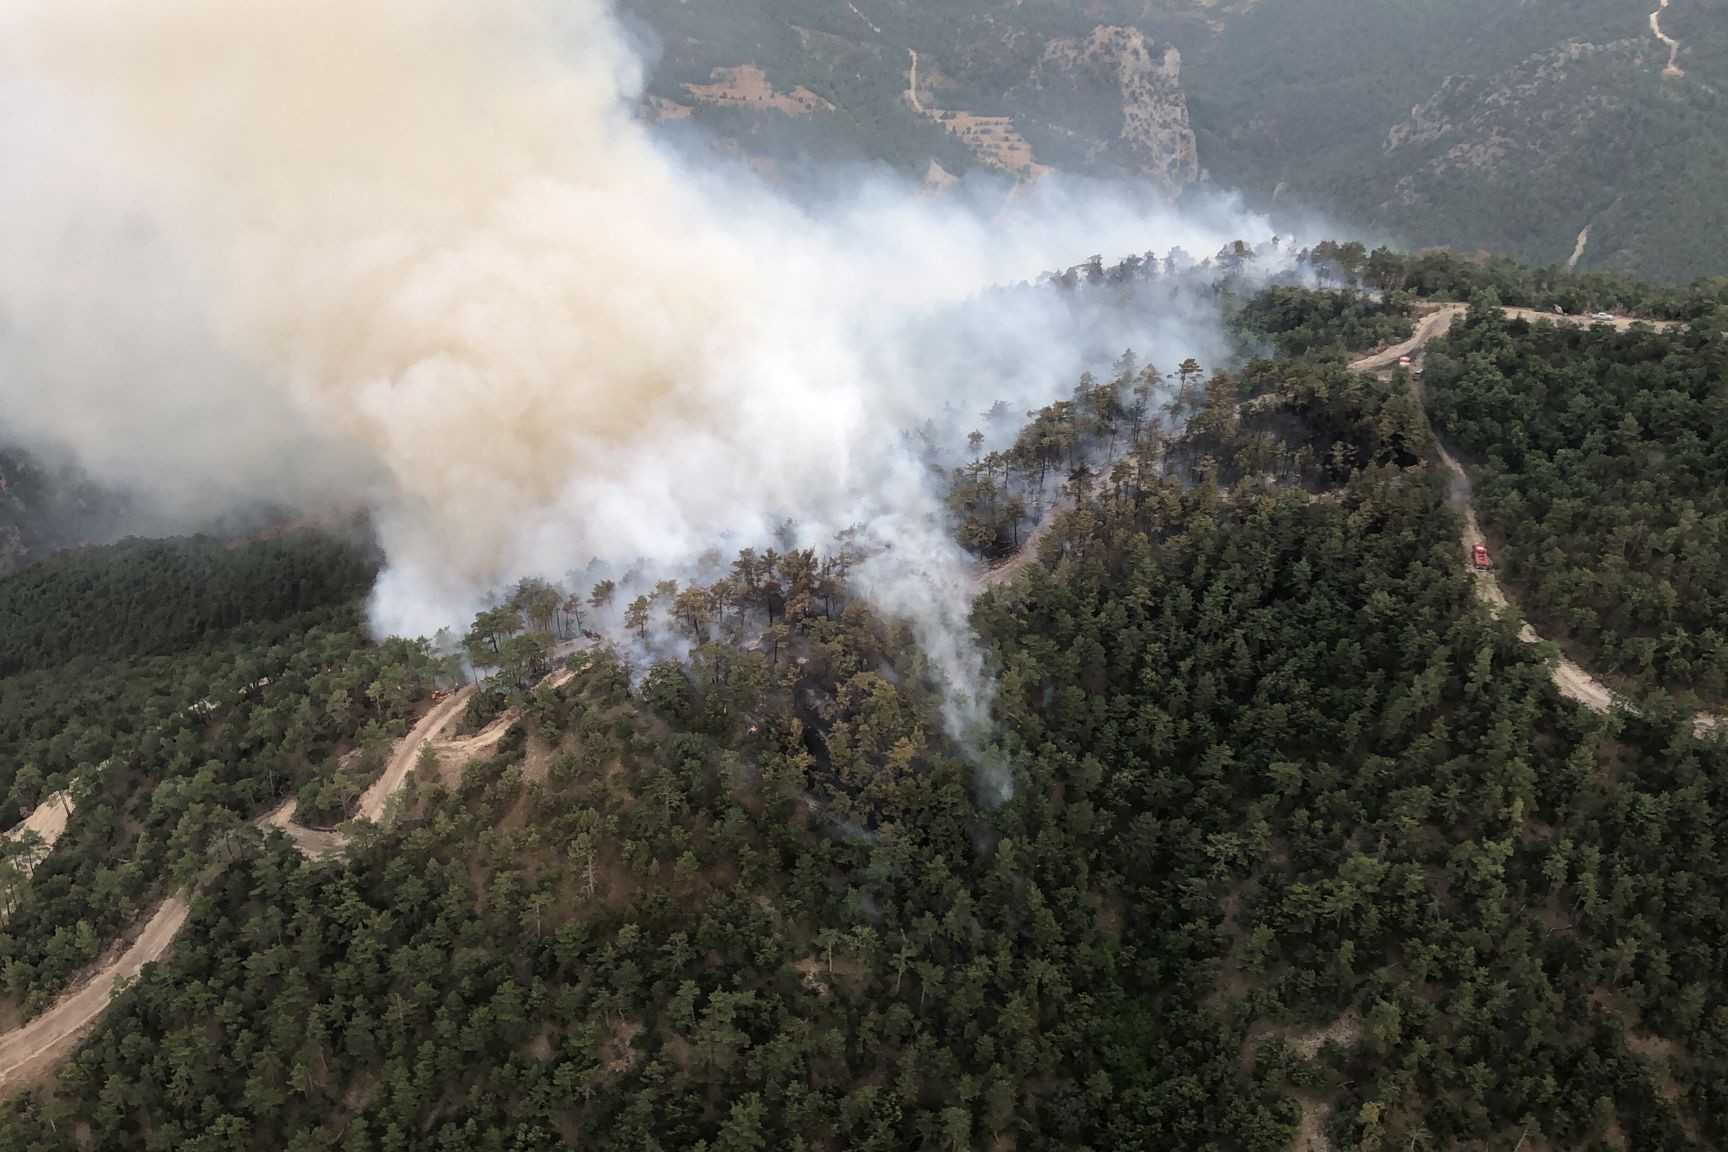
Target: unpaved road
<point x="1434" y="324"/>
<point x="311" y="841"/>
<point x="27" y="1052"/>
<point x="1572" y="680"/>
<point x="1673" y="68"/>
<point x="1439" y="321"/>
<point x="318" y="843"/>
<point x="989" y="576"/>
<point x="1578" y="249"/>
<point x="912" y="84"/>
<point x="373" y="800"/>
<point x="48" y="820"/>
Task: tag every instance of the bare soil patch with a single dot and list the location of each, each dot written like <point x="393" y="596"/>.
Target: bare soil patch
<point x="748" y="87"/>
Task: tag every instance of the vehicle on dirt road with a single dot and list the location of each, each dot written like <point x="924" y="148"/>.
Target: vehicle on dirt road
<point x="1479" y="558"/>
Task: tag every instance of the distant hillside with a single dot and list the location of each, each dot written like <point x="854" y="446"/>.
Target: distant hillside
<point x="44" y="507"/>
<point x="1475" y="123"/>
<point x="963" y="85"/>
<point x="1465" y="123"/>
<point x="48" y="505"/>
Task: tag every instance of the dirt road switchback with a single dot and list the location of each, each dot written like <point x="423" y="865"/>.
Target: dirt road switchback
<point x="29" y="1053"/>
<point x="374" y="799"/>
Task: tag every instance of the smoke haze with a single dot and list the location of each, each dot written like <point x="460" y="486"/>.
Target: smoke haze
<point x="420" y="255"/>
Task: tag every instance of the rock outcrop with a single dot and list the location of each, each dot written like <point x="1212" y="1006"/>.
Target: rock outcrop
<point x="1155" y="138"/>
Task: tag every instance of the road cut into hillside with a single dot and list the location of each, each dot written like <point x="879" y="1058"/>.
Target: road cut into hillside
<point x="27" y="1053"/>
<point x="1569" y="678"/>
<point x="30" y="1052"/>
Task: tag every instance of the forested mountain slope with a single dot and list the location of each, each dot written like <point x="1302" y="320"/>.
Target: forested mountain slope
<point x="1469" y="123"/>
<point x="48" y="504"/>
<point x="1283" y="834"/>
<point x="44" y="508"/>
<point x="176" y="689"/>
<point x="1479" y="124"/>
<point x="1600" y="462"/>
<point x="154" y="597"/>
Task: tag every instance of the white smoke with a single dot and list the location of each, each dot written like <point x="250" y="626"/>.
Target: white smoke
<point x="420" y="254"/>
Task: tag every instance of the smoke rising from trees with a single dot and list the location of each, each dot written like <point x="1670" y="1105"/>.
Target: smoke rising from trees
<point x="420" y="255"/>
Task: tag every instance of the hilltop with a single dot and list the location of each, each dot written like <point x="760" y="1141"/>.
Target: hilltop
<point x="1288" y="833"/>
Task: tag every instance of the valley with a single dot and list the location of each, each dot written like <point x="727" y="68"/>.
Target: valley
<point x="1473" y="126"/>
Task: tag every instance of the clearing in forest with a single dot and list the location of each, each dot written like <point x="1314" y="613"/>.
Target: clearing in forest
<point x="748" y="87"/>
<point x="48" y="820"/>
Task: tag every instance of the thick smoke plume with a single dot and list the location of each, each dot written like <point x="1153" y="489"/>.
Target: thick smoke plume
<point x="420" y="255"/>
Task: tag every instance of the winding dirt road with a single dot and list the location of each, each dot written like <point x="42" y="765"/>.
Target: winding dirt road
<point x="395" y="774"/>
<point x="312" y="842"/>
<point x="1439" y="322"/>
<point x="1436" y="323"/>
<point x="30" y="1051"/>
<point x="1673" y="68"/>
<point x="1570" y="679"/>
<point x="1578" y="249"/>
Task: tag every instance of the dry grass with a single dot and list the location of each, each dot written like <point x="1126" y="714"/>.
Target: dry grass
<point x="659" y="110"/>
<point x="1344" y="1032"/>
<point x="748" y="87"/>
<point x="1311" y="1128"/>
<point x="1640" y="1041"/>
<point x="619" y="1055"/>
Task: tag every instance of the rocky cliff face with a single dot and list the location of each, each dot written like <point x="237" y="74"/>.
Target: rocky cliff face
<point x="1531" y="155"/>
<point x="1154" y="138"/>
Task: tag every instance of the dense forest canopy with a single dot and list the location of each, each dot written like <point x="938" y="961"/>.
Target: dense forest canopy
<point x="1282" y="833"/>
<point x="152" y="597"/>
<point x="1602" y="467"/>
<point x="174" y="689"/>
